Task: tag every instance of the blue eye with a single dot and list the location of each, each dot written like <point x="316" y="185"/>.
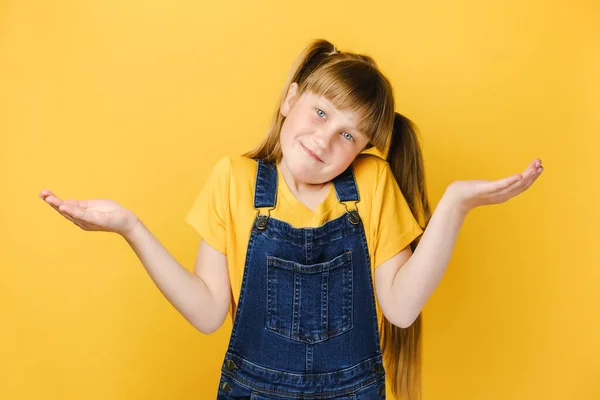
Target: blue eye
<point x="347" y="136"/>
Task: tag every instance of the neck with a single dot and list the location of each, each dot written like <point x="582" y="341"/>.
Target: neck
<point x="297" y="186"/>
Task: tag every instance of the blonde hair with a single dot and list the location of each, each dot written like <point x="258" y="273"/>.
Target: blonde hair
<point x="353" y="82"/>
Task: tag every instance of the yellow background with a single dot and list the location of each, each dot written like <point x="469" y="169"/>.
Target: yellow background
<point x="136" y="100"/>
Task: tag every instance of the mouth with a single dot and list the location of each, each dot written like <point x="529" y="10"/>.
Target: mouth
<point x="310" y="153"/>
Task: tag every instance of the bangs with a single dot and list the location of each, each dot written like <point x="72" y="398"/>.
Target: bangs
<point x="359" y="88"/>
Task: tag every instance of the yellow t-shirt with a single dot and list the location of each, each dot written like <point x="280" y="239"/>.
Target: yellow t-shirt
<point x="223" y="212"/>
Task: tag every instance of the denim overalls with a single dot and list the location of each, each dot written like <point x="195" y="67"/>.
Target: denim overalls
<point x="306" y="325"/>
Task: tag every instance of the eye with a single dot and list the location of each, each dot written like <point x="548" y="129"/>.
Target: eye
<point x="348" y="136"/>
<point x="321" y="114"/>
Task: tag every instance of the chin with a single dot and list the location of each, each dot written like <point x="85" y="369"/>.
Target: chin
<point x="303" y="172"/>
<point x="302" y="168"/>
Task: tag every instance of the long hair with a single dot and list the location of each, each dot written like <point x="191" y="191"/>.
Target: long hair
<point x="353" y="82"/>
<point x="402" y="347"/>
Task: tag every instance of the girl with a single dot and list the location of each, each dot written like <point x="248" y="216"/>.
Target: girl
<point x="311" y="244"/>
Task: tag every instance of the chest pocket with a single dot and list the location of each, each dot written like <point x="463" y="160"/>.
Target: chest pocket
<point x="309" y="303"/>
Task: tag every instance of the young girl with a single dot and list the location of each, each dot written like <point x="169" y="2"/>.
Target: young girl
<point x="315" y="241"/>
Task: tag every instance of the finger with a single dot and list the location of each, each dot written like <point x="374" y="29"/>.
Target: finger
<point x="534" y="162"/>
<point x="49" y="195"/>
<point x="80" y="223"/>
<point x="45" y="193"/>
<point x="533" y="172"/>
<point x="530" y="177"/>
<point x="67" y="216"/>
<point x="79" y="214"/>
<point x="77" y="203"/>
<point x="504" y="189"/>
<point x="527" y="178"/>
<point x="533" y="166"/>
<point x="55" y="203"/>
<point x="72" y="210"/>
<point x="501" y="184"/>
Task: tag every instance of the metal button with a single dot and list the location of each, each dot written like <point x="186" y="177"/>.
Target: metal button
<point x="353" y="217"/>
<point x="261" y="221"/>
<point x="378" y="368"/>
<point x="226" y="387"/>
<point x="230" y="365"/>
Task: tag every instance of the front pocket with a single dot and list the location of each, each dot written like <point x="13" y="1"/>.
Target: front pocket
<point x="309" y="303"/>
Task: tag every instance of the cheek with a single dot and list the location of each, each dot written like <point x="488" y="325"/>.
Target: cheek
<point x="344" y="157"/>
<point x="300" y="121"/>
<point x="340" y="155"/>
<point x="291" y="131"/>
<point x="286" y="132"/>
<point x="346" y="151"/>
<point x="287" y="140"/>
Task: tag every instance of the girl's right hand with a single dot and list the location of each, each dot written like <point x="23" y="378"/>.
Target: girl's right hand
<point x="94" y="215"/>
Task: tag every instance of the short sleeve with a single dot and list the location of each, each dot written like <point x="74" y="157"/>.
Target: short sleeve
<point x="209" y="214"/>
<point x="393" y="223"/>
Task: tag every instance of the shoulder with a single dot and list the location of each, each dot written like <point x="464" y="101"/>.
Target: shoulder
<point x="242" y="168"/>
<point x="369" y="169"/>
<point x="237" y="172"/>
<point x="237" y="166"/>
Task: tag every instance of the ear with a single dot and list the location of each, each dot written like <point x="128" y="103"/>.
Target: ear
<point x="290" y="98"/>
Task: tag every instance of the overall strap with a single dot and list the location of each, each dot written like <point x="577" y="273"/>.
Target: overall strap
<point x="345" y="186"/>
<point x="265" y="189"/>
<point x="346" y="190"/>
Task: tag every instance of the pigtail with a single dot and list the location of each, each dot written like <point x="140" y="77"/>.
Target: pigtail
<point x="406" y="161"/>
<point x="402" y="347"/>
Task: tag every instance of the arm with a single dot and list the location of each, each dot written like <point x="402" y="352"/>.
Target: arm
<point x="203" y="297"/>
<point x="406" y="281"/>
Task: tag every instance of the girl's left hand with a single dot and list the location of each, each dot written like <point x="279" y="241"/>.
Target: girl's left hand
<point x="471" y="194"/>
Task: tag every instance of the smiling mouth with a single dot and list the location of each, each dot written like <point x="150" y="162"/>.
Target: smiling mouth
<point x="313" y="155"/>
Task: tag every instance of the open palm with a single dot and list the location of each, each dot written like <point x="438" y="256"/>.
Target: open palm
<point x="475" y="193"/>
<point x="93" y="215"/>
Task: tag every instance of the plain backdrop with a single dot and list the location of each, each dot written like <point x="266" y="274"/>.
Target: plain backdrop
<point x="136" y="100"/>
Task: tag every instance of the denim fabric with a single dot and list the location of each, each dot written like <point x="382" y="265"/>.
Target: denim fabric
<point x="306" y="325"/>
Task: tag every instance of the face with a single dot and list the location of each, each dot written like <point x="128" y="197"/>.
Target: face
<point x="318" y="141"/>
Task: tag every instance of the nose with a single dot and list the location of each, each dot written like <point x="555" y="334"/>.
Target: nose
<point x="323" y="138"/>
